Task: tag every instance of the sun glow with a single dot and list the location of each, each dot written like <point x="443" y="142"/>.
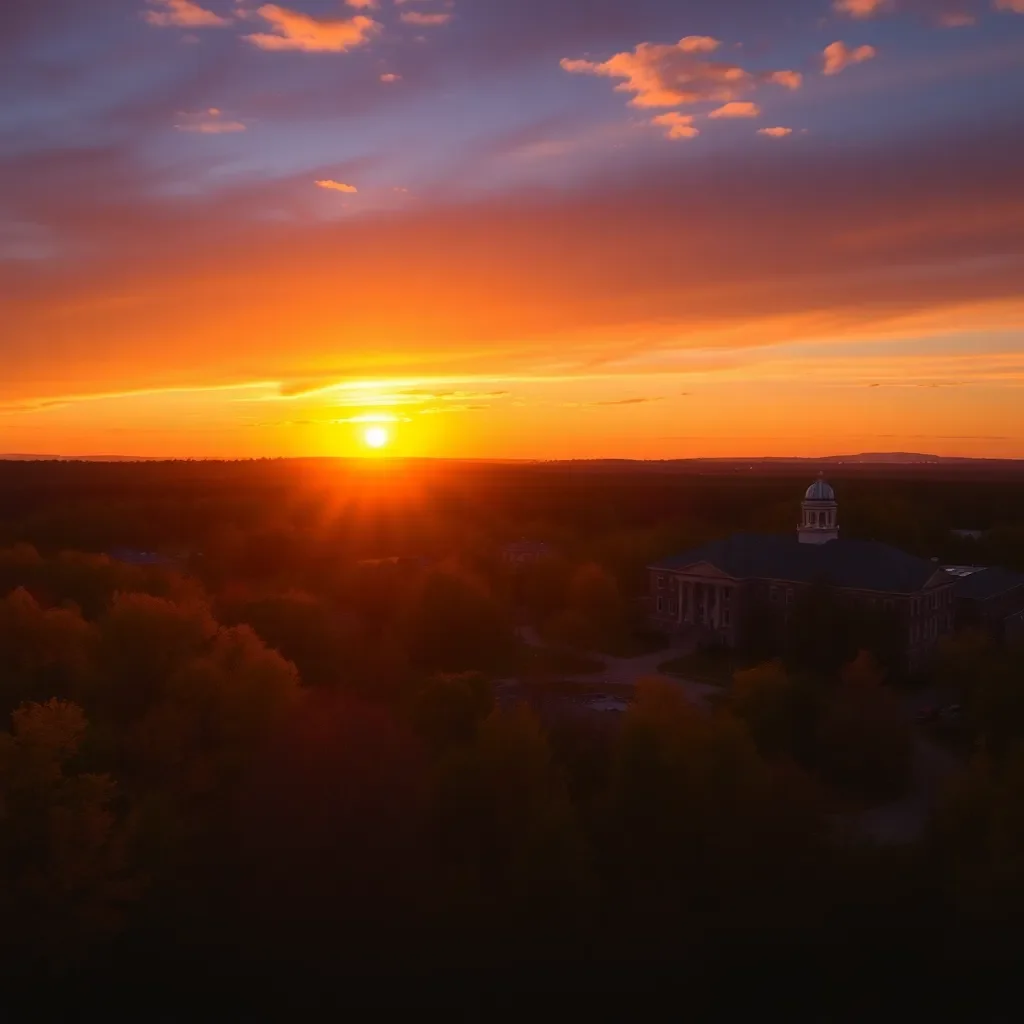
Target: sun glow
<point x="376" y="437"/>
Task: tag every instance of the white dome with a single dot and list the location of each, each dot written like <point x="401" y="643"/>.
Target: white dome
<point x="820" y="491"/>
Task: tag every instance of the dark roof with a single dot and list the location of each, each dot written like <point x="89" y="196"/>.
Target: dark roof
<point x="132" y="557"/>
<point x="988" y="583"/>
<point x="852" y="564"/>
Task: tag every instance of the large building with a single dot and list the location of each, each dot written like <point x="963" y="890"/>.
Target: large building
<point x="711" y="595"/>
<point x="990" y="598"/>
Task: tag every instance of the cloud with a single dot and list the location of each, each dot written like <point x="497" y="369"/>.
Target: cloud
<point x="184" y="14"/>
<point x="789" y="79"/>
<point x="838" y="56"/>
<point x="737" y="110"/>
<point x="419" y="18"/>
<point x="390" y="76"/>
<point x="775" y="133"/>
<point x="669" y="75"/>
<point x="860" y="8"/>
<point x="361" y="4"/>
<point x="631" y="401"/>
<point x="680" y="126"/>
<point x="208" y="122"/>
<point x="293" y="30"/>
<point x="336" y="186"/>
<point x="958" y="19"/>
<point x="1016" y="6"/>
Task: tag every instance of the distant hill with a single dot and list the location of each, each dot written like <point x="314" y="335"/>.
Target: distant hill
<point x="15" y="457"/>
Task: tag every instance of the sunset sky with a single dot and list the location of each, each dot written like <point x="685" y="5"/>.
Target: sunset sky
<point x="512" y="228"/>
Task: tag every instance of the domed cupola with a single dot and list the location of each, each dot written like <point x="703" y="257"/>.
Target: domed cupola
<point x="819" y="522"/>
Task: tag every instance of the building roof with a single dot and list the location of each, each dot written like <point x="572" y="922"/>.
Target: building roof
<point x="130" y="556"/>
<point x="820" y="491"/>
<point x="988" y="583"/>
<point x="851" y="564"/>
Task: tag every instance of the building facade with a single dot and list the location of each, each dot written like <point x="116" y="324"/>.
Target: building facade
<point x="990" y="598"/>
<point x="713" y="594"/>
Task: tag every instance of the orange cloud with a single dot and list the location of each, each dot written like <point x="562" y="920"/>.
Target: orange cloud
<point x="293" y="30"/>
<point x="680" y="126"/>
<point x="390" y="76"/>
<point x="208" y="122"/>
<point x="661" y="75"/>
<point x="184" y="14"/>
<point x="789" y="79"/>
<point x="1016" y="6"/>
<point x="860" y="8"/>
<point x="336" y="186"/>
<point x="361" y="3"/>
<point x="775" y="133"/>
<point x="958" y="19"/>
<point x="838" y="56"/>
<point x="737" y="110"/>
<point x="417" y="18"/>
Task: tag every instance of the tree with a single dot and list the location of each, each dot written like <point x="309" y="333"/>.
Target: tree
<point x="449" y="707"/>
<point x="511" y="846"/>
<point x="454" y="625"/>
<point x="216" y="712"/>
<point x="304" y="629"/>
<point x="143" y="641"/>
<point x="64" y="878"/>
<point x="864" y="735"/>
<point x="594" y="596"/>
<point x="779" y="710"/>
<point x="977" y="839"/>
<point x="44" y="652"/>
<point x="691" y="804"/>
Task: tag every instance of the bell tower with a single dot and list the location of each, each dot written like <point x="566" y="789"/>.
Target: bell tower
<point x="819" y="521"/>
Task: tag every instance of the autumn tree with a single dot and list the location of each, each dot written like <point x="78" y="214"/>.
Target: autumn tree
<point x="64" y="878"/>
<point x="864" y="737"/>
<point x="777" y="708"/>
<point x="697" y="820"/>
<point x="512" y="852"/>
<point x="143" y="641"/>
<point x="454" y="625"/>
<point x="44" y="652"/>
<point x="449" y="707"/>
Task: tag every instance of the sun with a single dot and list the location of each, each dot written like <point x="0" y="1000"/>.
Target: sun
<point x="376" y="437"/>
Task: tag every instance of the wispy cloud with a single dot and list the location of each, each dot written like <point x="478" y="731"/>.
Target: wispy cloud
<point x="182" y="14"/>
<point x="737" y="110"/>
<point x="1015" y="6"/>
<point x="336" y="186"/>
<point x="777" y="132"/>
<point x="678" y="74"/>
<point x="293" y="30"/>
<point x="390" y="76"/>
<point x="838" y="56"/>
<point x="425" y="19"/>
<point x="958" y="19"/>
<point x="208" y="122"/>
<point x="631" y="401"/>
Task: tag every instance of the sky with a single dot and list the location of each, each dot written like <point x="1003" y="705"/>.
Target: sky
<point x="512" y="228"/>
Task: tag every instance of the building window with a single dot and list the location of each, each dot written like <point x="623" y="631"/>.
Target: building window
<point x="661" y="582"/>
<point x="789" y="595"/>
<point x="661" y="604"/>
<point x="773" y="594"/>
